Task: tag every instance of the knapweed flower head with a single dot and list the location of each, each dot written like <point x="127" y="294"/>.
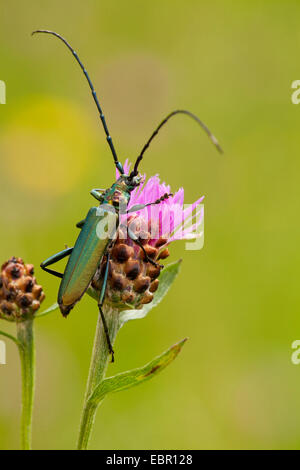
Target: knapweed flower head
<point x="20" y="295"/>
<point x="132" y="279"/>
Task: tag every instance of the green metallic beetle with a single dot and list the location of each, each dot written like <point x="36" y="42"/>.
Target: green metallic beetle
<point x="99" y="229"/>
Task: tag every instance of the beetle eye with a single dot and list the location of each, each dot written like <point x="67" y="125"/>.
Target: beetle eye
<point x="136" y="180"/>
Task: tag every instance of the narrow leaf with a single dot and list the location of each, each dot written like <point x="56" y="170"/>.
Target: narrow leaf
<point x="93" y="293"/>
<point x="166" y="279"/>
<point x="13" y="338"/>
<point x="49" y="310"/>
<point x="134" y="377"/>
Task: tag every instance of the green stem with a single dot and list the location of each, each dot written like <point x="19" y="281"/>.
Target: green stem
<point x="25" y="337"/>
<point x="98" y="366"/>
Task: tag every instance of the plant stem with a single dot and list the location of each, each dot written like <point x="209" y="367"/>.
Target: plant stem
<point x="99" y="362"/>
<point x="25" y="337"/>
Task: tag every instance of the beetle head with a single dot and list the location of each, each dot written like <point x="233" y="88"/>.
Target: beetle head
<point x="132" y="182"/>
<point x="129" y="182"/>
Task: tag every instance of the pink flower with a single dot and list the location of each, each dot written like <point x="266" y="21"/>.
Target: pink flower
<point x="169" y="219"/>
<point x="134" y="268"/>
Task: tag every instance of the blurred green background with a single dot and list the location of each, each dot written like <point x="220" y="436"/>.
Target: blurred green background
<point x="232" y="63"/>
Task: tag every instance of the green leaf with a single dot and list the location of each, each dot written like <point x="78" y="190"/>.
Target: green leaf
<point x="134" y="377"/>
<point x="166" y="279"/>
<point x="13" y="338"/>
<point x="49" y="310"/>
<point x="93" y="293"/>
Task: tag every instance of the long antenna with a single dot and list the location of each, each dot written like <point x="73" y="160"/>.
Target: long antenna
<point x="178" y="111"/>
<point x="108" y="137"/>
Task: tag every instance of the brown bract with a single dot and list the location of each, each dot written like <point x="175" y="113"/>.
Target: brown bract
<point x="132" y="281"/>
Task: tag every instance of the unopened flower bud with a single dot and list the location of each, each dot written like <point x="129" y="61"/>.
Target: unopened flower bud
<point x="132" y="278"/>
<point x="20" y="295"/>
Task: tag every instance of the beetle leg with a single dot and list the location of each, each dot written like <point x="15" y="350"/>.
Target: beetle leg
<point x="136" y="240"/>
<point x="100" y="304"/>
<point x="96" y="193"/>
<point x="139" y="207"/>
<point x="53" y="259"/>
<point x="110" y="348"/>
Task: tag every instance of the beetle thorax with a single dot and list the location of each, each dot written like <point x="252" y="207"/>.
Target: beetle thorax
<point x="117" y="195"/>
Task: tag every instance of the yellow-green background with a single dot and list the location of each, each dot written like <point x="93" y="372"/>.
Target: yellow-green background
<point x="234" y="385"/>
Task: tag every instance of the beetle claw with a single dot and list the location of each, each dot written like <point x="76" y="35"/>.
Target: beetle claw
<point x="112" y="356"/>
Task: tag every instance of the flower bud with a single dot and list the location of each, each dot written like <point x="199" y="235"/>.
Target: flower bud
<point x="20" y="295"/>
<point x="132" y="280"/>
